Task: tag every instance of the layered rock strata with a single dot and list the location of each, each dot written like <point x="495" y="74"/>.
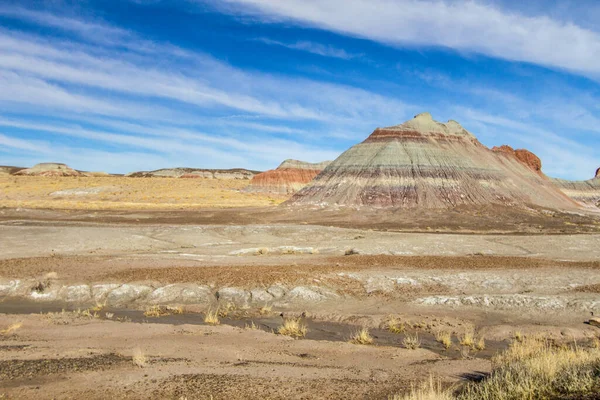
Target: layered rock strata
<point x="288" y="178"/>
<point x="586" y="193"/>
<point x="236" y="173"/>
<point x="427" y="164"/>
<point x="49" y="169"/>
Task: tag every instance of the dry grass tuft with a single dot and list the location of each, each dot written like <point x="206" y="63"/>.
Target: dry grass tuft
<point x="427" y="390"/>
<point x="139" y="358"/>
<point x="98" y="307"/>
<point x="154" y="312"/>
<point x="394" y="325"/>
<point x="445" y="338"/>
<point x="293" y="327"/>
<point x="223" y="312"/>
<point x="361" y="336"/>
<point x="518" y="336"/>
<point x="412" y="342"/>
<point x="12" y="328"/>
<point x="265" y="310"/>
<point x="252" y="326"/>
<point x="468" y="338"/>
<point x="212" y="317"/>
<point x="480" y="344"/>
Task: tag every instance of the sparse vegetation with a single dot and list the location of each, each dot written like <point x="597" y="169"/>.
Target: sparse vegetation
<point x="362" y="336"/>
<point x="293" y="327"/>
<point x="518" y="336"/>
<point x="533" y="369"/>
<point x="161" y="311"/>
<point x="139" y="358"/>
<point x="265" y="310"/>
<point x="480" y="344"/>
<point x="128" y="193"/>
<point x="252" y="326"/>
<point x="212" y="317"/>
<point x="394" y="325"/>
<point x="412" y="342"/>
<point x="445" y="338"/>
<point x="427" y="390"/>
<point x="223" y="312"/>
<point x="12" y="328"/>
<point x="468" y="338"/>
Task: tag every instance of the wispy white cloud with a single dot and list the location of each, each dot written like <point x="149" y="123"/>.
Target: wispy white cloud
<point x="314" y="48"/>
<point x="462" y="25"/>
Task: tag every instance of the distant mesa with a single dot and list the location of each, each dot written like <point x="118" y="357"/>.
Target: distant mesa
<point x="236" y="173"/>
<point x="427" y="164"/>
<point x="598" y="173"/>
<point x="9" y="170"/>
<point x="49" y="169"/>
<point x="288" y="178"/>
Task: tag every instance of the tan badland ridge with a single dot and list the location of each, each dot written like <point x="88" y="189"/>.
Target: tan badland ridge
<point x="235" y="173"/>
<point x="586" y="193"/>
<point x="49" y="169"/>
<point x="427" y="164"/>
<point x="288" y="178"/>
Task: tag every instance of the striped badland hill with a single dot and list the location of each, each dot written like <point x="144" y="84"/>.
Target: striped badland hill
<point x="424" y="163"/>
<point x="587" y="193"/>
<point x="288" y="178"/>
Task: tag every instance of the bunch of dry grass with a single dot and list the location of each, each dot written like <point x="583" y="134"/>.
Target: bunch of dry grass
<point x="12" y="328"/>
<point x="445" y="338"/>
<point x="468" y="338"/>
<point x="139" y="358"/>
<point x="265" y="310"/>
<point x="293" y="327"/>
<point x="394" y="325"/>
<point x="427" y="390"/>
<point x="212" y="317"/>
<point x="362" y="336"/>
<point x="412" y="342"/>
<point x="161" y="311"/>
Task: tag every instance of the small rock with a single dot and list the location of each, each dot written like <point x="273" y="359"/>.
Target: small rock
<point x="181" y="293"/>
<point x="260" y="296"/>
<point x="237" y="296"/>
<point x="127" y="293"/>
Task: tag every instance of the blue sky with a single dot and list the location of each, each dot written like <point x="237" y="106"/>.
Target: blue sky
<point x="132" y="85"/>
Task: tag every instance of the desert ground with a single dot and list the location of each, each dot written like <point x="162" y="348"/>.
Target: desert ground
<point x="115" y="287"/>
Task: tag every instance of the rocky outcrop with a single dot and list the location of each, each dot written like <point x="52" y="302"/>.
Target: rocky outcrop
<point x="49" y="169"/>
<point x="525" y="156"/>
<point x="8" y="170"/>
<point x="586" y="193"/>
<point x="236" y="173"/>
<point x="288" y="178"/>
<point x="426" y="164"/>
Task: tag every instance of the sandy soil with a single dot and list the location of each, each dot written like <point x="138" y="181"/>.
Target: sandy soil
<point x="494" y="282"/>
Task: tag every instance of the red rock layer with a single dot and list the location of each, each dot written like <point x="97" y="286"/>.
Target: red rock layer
<point x="286" y="180"/>
<point x="525" y="156"/>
